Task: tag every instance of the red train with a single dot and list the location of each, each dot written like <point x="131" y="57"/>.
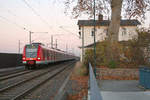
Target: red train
<point x="37" y="54"/>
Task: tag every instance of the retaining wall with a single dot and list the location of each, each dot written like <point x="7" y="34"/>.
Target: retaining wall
<point x="10" y="60"/>
<point x="118" y="74"/>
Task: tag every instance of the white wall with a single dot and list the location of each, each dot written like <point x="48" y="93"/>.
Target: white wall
<point x="130" y="33"/>
<point x="101" y="34"/>
<point x="88" y="39"/>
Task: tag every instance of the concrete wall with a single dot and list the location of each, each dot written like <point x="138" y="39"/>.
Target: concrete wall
<point x="117" y="74"/>
<point x="10" y="60"/>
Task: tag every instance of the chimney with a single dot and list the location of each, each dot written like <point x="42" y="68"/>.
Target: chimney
<point x="100" y="17"/>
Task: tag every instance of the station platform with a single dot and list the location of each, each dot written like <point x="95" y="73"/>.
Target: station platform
<point x="122" y="90"/>
<point x="125" y="95"/>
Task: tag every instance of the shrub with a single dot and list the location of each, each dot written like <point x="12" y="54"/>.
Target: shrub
<point x="80" y="69"/>
<point x="88" y="57"/>
<point x="125" y="53"/>
<point x="112" y="64"/>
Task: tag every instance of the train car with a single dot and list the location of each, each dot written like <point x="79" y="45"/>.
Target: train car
<point x="36" y="54"/>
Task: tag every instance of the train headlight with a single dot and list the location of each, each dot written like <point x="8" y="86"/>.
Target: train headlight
<point x="24" y="58"/>
<point x="38" y="58"/>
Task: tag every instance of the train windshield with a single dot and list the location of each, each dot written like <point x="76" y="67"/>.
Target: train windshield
<point x="31" y="51"/>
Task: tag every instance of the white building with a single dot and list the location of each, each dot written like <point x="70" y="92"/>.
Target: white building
<point x="127" y="31"/>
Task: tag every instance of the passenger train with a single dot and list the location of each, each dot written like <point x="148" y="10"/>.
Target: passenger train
<point x="37" y="54"/>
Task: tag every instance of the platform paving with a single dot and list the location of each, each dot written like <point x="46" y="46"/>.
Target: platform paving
<point x="122" y="90"/>
<point x="125" y="95"/>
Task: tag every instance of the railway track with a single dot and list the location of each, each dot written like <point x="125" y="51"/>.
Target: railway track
<point x="17" y="90"/>
<point x="14" y="75"/>
<point x="10" y="72"/>
<point x="49" y="89"/>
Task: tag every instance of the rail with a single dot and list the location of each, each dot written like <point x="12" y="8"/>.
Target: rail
<point x="94" y="91"/>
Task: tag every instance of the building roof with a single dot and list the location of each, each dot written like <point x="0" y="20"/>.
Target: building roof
<point x="92" y="44"/>
<point x="106" y="23"/>
<point x="88" y="46"/>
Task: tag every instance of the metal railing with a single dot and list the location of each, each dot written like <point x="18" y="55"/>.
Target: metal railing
<point x="94" y="91"/>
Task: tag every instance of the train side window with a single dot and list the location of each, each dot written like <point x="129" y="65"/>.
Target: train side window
<point x="43" y="53"/>
<point x="49" y="53"/>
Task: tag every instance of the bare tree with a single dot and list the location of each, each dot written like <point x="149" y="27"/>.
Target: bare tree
<point x="114" y="9"/>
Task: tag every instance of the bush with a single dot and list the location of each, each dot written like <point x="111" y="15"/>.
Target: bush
<point x="88" y="57"/>
<point x="80" y="69"/>
<point x="125" y="53"/>
<point x="101" y="54"/>
<point x="112" y="64"/>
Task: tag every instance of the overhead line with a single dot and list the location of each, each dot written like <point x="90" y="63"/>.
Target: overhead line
<point x="35" y="12"/>
<point x="13" y="14"/>
<point x="68" y="31"/>
<point x="10" y="12"/>
<point x="19" y="26"/>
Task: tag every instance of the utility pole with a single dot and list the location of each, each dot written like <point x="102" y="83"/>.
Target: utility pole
<point x="66" y="48"/>
<point x="51" y="41"/>
<point x="56" y="44"/>
<point x="30" y="35"/>
<point x="73" y="51"/>
<point x="82" y="43"/>
<point x="94" y="41"/>
<point x="19" y="47"/>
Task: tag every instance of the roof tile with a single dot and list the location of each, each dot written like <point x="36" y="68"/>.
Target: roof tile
<point x="106" y="23"/>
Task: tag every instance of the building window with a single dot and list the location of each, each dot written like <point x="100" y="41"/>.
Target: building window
<point x="92" y="32"/>
<point x="79" y="27"/>
<point x="106" y="31"/>
<point x="124" y="31"/>
<point x="79" y="34"/>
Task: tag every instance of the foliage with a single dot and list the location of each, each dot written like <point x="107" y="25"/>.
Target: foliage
<point x="101" y="53"/>
<point x="133" y="52"/>
<point x="80" y="69"/>
<point x="130" y="8"/>
<point x="113" y="8"/>
<point x="137" y="51"/>
<point x="112" y="64"/>
<point x="140" y="47"/>
<point x="88" y="57"/>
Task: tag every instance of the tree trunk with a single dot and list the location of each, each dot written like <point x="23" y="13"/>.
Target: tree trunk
<point x="113" y="29"/>
<point x="114" y="25"/>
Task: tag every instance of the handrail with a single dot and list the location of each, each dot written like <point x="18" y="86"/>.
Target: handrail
<point x="94" y="89"/>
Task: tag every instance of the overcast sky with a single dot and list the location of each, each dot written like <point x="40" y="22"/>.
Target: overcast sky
<point x="46" y="16"/>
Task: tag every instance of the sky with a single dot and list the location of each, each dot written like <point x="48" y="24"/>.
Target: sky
<point x="18" y="18"/>
<point x="48" y="16"/>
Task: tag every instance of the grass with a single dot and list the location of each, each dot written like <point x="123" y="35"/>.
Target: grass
<point x="80" y="69"/>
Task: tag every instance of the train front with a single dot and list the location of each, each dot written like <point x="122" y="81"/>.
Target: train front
<point x="31" y="55"/>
